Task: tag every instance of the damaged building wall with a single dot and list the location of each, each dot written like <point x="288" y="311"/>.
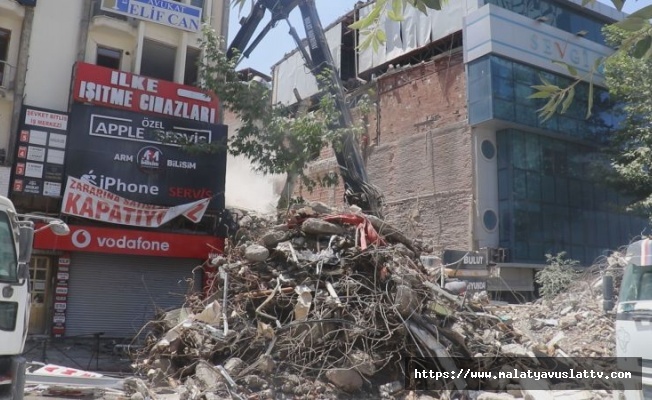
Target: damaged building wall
<point x="422" y="154"/>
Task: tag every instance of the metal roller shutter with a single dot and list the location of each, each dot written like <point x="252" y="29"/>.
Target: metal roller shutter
<point x="117" y="294"/>
<point x="513" y="279"/>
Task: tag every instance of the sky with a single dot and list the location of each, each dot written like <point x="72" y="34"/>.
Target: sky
<point x="278" y="42"/>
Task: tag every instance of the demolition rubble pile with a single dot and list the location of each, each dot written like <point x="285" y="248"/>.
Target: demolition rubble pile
<point x="325" y="305"/>
<point x="573" y="320"/>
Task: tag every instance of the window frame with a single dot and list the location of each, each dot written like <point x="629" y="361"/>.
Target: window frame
<point x="109" y="48"/>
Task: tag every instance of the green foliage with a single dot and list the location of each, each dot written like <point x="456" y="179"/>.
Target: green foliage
<point x="273" y="137"/>
<point x="636" y="35"/>
<point x="629" y="78"/>
<point x="557" y="276"/>
<point x="370" y="26"/>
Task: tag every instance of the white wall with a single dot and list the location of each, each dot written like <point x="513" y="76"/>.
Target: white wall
<point x="492" y="29"/>
<point x="52" y="53"/>
<point x="291" y="73"/>
<point x="11" y="18"/>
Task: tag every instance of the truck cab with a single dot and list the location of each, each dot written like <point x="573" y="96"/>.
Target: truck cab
<point x="16" y="239"/>
<point x="634" y="312"/>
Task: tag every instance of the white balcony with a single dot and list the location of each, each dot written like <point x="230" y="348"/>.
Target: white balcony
<point x="9" y="8"/>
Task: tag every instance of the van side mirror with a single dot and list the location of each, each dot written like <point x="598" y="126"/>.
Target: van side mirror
<point x="607" y="293"/>
<point x="23" y="273"/>
<point x="25" y="242"/>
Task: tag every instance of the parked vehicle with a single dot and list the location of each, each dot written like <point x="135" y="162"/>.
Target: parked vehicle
<point x="634" y="312"/>
<point x="16" y="239"/>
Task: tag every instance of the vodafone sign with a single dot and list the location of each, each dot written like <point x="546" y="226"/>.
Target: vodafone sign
<point x="130" y="242"/>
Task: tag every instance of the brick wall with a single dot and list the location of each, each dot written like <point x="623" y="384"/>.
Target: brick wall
<point x="422" y="158"/>
<point x="421" y="154"/>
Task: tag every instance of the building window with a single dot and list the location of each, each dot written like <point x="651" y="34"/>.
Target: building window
<point x="196" y="3"/>
<point x="158" y="60"/>
<point x="192" y="66"/>
<point x="500" y="89"/>
<point x="107" y="57"/>
<point x="550" y="202"/>
<point x="4" y="52"/>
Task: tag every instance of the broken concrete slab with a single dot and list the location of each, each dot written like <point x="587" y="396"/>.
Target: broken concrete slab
<point x="256" y="253"/>
<point x="514" y="350"/>
<point x="362" y="362"/>
<point x="272" y="238"/>
<point x="208" y="377"/>
<point x="316" y="226"/>
<point x="348" y="380"/>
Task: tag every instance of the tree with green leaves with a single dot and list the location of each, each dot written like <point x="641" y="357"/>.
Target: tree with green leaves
<point x="628" y="76"/>
<point x="275" y="138"/>
<point x="637" y="44"/>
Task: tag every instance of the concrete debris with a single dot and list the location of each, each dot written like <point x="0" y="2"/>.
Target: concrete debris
<point x="345" y="379"/>
<point x="495" y="396"/>
<point x="327" y="305"/>
<point x="572" y="323"/>
<point x="315" y="226"/>
<point x="256" y="253"/>
<point x="391" y="388"/>
<point x="514" y="350"/>
<point x="273" y="238"/>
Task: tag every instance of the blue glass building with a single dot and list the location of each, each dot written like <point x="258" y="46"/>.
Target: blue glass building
<point x="537" y="186"/>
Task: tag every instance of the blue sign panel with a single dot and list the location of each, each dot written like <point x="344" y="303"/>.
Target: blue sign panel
<point x="164" y="12"/>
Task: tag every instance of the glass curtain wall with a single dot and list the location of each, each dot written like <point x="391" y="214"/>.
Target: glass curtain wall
<point x="550" y="198"/>
<point x="558" y="15"/>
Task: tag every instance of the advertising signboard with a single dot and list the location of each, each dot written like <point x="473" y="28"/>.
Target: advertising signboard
<point x="117" y="89"/>
<point x="129" y="242"/>
<point x="40" y="153"/>
<point x="82" y="199"/>
<point x="136" y="157"/>
<point x="165" y="12"/>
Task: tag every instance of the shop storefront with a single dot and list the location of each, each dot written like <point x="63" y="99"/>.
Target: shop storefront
<point x="113" y="281"/>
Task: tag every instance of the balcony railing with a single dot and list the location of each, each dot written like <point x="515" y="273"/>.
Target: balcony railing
<point x="6" y="75"/>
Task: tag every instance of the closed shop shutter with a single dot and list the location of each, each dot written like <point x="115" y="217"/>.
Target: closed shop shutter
<point x="117" y="294"/>
<point x="513" y="279"/>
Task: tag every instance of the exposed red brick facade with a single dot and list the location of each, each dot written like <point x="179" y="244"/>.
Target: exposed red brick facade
<point x="420" y="153"/>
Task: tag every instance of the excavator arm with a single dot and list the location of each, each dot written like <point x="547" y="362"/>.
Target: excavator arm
<point x="318" y="58"/>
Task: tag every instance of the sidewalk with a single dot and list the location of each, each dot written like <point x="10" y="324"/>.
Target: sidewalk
<point x="89" y="353"/>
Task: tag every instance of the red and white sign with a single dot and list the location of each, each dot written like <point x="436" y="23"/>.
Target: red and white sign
<point x="84" y="200"/>
<point x="46" y="119"/>
<point x="117" y="89"/>
<point x="131" y="242"/>
<point x="57" y="370"/>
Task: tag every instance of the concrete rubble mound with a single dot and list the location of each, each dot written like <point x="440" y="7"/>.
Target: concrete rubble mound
<point x="573" y="321"/>
<point x="325" y="305"/>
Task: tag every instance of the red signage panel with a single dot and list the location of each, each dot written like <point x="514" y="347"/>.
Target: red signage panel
<point x="118" y="89"/>
<point x="130" y="242"/>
